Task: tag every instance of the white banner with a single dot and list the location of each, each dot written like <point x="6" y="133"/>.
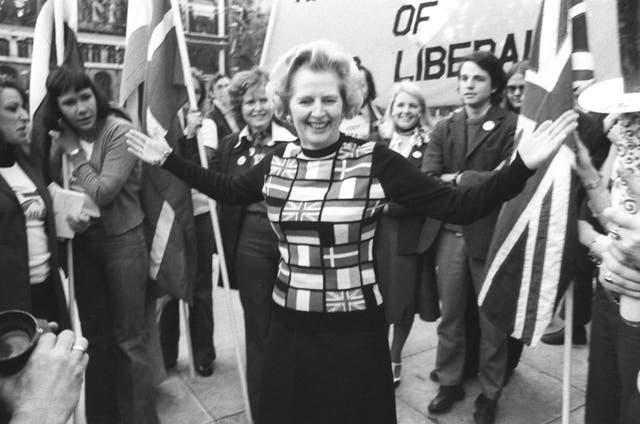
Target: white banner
<point x="423" y="41"/>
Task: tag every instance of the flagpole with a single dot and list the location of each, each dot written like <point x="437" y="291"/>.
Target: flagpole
<point x="79" y="416"/>
<point x="186" y="71"/>
<point x="269" y="34"/>
<point x="568" y="344"/>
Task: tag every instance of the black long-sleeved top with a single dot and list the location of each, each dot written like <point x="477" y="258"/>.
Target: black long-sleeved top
<point x="324" y="206"/>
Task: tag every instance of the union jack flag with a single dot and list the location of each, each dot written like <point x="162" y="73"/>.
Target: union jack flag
<point x="345" y="300"/>
<point x="301" y="211"/>
<point x="530" y="261"/>
<point x="284" y="168"/>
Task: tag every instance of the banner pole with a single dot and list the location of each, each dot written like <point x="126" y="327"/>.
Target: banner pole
<point x="568" y="344"/>
<point x="186" y="71"/>
<point x="79" y="416"/>
<point x="269" y="34"/>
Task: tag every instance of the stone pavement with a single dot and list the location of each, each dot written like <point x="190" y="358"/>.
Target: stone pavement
<point x="533" y="395"/>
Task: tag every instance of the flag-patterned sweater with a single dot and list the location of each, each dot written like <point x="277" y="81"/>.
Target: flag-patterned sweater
<point x="324" y="206"/>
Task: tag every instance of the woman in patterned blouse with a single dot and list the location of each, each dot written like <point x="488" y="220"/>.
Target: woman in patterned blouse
<point x="327" y="356"/>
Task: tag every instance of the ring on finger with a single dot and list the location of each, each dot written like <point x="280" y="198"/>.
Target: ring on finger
<point x="79" y="348"/>
<point x="615" y="233"/>
<point x="608" y="277"/>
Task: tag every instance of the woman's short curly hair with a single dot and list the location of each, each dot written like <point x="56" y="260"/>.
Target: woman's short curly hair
<point x="242" y="82"/>
<point x="318" y="56"/>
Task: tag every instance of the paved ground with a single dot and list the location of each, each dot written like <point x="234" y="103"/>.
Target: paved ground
<point x="532" y="397"/>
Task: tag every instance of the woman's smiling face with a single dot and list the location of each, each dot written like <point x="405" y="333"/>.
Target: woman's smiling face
<point x="257" y="108"/>
<point x="316" y="107"/>
<point x="405" y="111"/>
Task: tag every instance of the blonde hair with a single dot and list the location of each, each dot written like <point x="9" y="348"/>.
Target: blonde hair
<point x="318" y="56"/>
<point x="387" y="126"/>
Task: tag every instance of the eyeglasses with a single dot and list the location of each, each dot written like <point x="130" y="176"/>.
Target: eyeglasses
<point x="514" y="88"/>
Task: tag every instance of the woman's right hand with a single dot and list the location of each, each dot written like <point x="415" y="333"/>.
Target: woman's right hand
<point x="79" y="223"/>
<point x="153" y="151"/>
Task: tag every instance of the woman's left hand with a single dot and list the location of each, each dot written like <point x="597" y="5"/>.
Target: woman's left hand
<point x="547" y="139"/>
<point x="194" y="123"/>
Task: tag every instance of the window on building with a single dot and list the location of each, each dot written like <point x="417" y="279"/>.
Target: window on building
<point x="4" y="47"/>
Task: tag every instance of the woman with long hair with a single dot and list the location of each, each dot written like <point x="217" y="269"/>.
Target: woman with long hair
<point x="110" y="256"/>
<point x="201" y="309"/>
<point x="28" y="248"/>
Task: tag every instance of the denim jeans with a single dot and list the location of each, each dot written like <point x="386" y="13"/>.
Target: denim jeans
<point x="614" y="362"/>
<point x="110" y="280"/>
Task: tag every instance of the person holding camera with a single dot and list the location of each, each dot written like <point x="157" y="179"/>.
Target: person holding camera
<point x="47" y="389"/>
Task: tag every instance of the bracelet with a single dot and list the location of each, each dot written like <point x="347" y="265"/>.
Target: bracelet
<point x="593" y="185"/>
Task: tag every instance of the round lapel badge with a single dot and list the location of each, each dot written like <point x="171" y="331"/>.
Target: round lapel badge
<point x="488" y="126"/>
<point x="242" y="160"/>
<point x="417" y="154"/>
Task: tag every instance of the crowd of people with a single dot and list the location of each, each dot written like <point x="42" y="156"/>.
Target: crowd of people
<point x="341" y="221"/>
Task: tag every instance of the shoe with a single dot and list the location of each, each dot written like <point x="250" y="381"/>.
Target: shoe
<point x="205" y="370"/>
<point x="446" y="397"/>
<point x="485" y="412"/>
<point x="433" y="376"/>
<point x="557" y="337"/>
<point x="396" y="370"/>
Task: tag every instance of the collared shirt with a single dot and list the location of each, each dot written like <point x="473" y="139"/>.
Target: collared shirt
<point x="261" y="147"/>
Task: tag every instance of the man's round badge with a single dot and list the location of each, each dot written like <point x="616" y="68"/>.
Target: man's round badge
<point x="488" y="126"/>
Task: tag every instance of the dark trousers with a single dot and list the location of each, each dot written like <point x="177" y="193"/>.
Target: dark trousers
<point x="459" y="278"/>
<point x="110" y="281"/>
<point x="614" y="363"/>
<point x="44" y="300"/>
<point x="201" y="310"/>
<point x="472" y="338"/>
<point x="256" y="270"/>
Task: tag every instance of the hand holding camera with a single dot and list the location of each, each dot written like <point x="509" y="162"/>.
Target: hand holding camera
<point x="47" y="387"/>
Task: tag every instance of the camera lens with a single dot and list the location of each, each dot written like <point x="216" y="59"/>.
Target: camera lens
<point x="19" y="332"/>
<point x="13" y="343"/>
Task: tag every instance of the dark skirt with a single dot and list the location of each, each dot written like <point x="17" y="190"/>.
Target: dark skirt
<point x="407" y="282"/>
<point x="327" y="368"/>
